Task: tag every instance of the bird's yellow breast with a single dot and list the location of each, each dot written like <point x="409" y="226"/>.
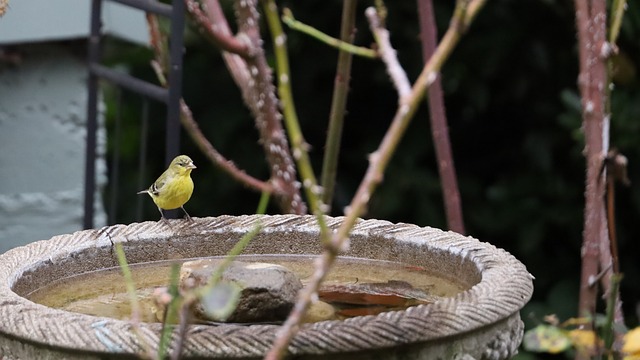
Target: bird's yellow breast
<point x="175" y="193"/>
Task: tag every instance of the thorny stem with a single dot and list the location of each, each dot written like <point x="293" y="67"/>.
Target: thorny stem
<point x="338" y="104"/>
<point x="617" y="12"/>
<point x="171" y="312"/>
<point x="341" y="44"/>
<point x="189" y="123"/>
<point x="216" y="32"/>
<point x="593" y="84"/>
<point x="377" y="164"/>
<point x="183" y="316"/>
<point x="158" y="43"/>
<point x="133" y="299"/>
<point x="380" y="158"/>
<point x="387" y="52"/>
<point x="611" y="211"/>
<point x="259" y="95"/>
<point x="298" y="143"/>
<point x="439" y="129"/>
<point x="590" y="245"/>
<point x="235" y="63"/>
<point x="612" y="286"/>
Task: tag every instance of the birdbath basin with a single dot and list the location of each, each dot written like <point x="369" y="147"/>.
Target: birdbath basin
<point x="481" y="322"/>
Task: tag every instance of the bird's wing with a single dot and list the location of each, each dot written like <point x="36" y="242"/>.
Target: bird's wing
<point x="156" y="187"/>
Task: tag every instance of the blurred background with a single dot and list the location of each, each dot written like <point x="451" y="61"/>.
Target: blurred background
<point x="514" y="118"/>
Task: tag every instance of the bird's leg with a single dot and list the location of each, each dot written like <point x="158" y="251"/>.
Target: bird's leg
<point x="186" y="213"/>
<point x="162" y="218"/>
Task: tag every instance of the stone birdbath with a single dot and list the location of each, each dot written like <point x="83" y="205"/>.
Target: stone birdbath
<point x="481" y="322"/>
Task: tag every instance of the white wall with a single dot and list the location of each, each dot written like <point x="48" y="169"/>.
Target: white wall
<point x="42" y="146"/>
<point x="49" y="20"/>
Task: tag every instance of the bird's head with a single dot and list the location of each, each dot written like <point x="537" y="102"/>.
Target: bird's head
<point x="182" y="164"/>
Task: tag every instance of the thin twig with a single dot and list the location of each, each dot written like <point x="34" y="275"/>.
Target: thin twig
<point x="618" y="163"/>
<point x="189" y="123"/>
<point x="171" y="313"/>
<point x="341" y="44"/>
<point x="133" y="300"/>
<point x="183" y="316"/>
<point x="612" y="300"/>
<point x="388" y="53"/>
<point x="158" y="42"/>
<point x="439" y="128"/>
<point x="617" y="12"/>
<point x="380" y="158"/>
<point x="377" y="164"/>
<point x="190" y="297"/>
<point x="253" y="76"/>
<point x="298" y="143"/>
<point x="259" y="94"/>
<point x="338" y="104"/>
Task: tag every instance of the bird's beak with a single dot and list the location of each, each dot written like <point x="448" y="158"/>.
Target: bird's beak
<point x="191" y="166"/>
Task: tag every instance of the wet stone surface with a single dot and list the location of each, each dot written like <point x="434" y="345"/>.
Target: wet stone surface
<point x="268" y="293"/>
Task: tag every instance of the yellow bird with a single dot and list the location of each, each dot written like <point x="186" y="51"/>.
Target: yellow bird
<point x="174" y="187"/>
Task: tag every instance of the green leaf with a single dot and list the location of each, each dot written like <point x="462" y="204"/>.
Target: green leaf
<point x="221" y="300"/>
<point x="546" y="338"/>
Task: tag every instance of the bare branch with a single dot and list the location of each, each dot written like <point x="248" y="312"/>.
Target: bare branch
<point x="377" y="164"/>
<point x="338" y="104"/>
<point x="341" y="44"/>
<point x="259" y="94"/>
<point x="217" y="33"/>
<point x="216" y="158"/>
<point x="387" y="52"/>
<point x="591" y="24"/>
<point x="439" y="128"/>
<point x="299" y="145"/>
<point x="158" y="43"/>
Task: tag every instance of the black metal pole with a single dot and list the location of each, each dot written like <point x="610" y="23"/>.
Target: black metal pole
<point x="155" y="7"/>
<point x="175" y="81"/>
<point x="92" y="115"/>
<point x="130" y="83"/>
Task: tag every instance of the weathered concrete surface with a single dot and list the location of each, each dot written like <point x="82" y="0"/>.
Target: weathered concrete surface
<point x="482" y="322"/>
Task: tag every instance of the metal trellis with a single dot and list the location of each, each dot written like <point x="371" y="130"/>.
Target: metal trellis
<point x="170" y="96"/>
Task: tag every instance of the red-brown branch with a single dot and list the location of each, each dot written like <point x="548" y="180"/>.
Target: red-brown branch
<point x="216" y="32"/>
<point x="259" y="94"/>
<point x="592" y="81"/>
<point x="248" y="67"/>
<point x="439" y="128"/>
<point x="158" y="43"/>
<point x="216" y="158"/>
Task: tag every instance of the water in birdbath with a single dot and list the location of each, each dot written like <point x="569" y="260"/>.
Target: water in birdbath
<point x="353" y="287"/>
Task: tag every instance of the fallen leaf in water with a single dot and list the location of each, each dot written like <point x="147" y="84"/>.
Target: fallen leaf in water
<point x="391" y="294"/>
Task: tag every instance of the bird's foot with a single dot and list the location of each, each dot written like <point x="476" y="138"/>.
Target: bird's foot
<point x="186" y="214"/>
<point x="165" y="221"/>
